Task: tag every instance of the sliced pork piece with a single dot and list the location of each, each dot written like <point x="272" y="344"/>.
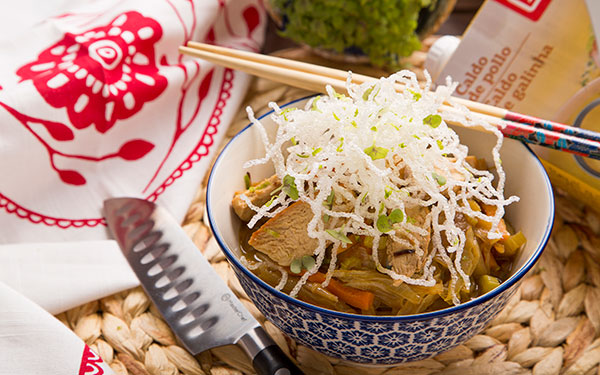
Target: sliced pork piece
<point x="285" y="237"/>
<point x="258" y="194"/>
<point x="340" y="204"/>
<point x="477" y="163"/>
<point x="405" y="261"/>
<point x="452" y="172"/>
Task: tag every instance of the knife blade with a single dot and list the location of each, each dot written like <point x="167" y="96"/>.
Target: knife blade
<point x="198" y="306"/>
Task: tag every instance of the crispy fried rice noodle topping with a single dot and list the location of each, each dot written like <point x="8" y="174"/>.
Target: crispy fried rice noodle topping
<point x="377" y="149"/>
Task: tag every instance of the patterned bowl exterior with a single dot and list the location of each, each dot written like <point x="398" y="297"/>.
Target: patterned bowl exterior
<point x="372" y="339"/>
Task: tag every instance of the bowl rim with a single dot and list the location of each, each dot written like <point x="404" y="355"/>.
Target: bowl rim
<point x="514" y="279"/>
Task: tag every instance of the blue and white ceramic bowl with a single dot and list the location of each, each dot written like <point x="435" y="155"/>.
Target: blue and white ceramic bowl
<point x="383" y="339"/>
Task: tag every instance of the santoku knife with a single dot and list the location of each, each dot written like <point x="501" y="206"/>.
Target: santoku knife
<point x="198" y="306"/>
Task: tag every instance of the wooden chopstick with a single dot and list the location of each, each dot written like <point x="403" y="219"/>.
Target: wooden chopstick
<point x="360" y="78"/>
<point x="315" y="78"/>
<point x="281" y="62"/>
<point x="291" y="77"/>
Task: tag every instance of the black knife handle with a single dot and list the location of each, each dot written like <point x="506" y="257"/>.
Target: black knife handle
<point x="273" y="361"/>
<point x="267" y="358"/>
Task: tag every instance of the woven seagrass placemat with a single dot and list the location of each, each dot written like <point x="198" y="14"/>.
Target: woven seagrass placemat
<point x="550" y="326"/>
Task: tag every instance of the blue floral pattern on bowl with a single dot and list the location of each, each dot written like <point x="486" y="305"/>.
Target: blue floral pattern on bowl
<point x="382" y="341"/>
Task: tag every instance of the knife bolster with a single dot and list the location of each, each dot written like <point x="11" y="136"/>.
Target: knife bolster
<point x="254" y="341"/>
<point x="267" y="358"/>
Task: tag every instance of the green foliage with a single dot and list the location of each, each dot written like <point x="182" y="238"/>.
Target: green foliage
<point x="383" y="29"/>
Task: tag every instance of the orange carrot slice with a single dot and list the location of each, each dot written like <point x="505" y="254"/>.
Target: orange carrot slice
<point x="361" y="299"/>
<point x="491" y="211"/>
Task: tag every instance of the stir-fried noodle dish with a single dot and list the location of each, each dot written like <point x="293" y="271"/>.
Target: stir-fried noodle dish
<point x="374" y="206"/>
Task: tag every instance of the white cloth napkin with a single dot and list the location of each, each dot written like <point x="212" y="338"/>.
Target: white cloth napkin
<point x="62" y="275"/>
<point x="33" y="342"/>
<point x="96" y="102"/>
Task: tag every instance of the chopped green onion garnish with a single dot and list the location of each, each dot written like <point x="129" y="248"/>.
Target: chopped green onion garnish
<point x="388" y="192"/>
<point x="376" y="152"/>
<point x="440" y="144"/>
<point x="441" y="180"/>
<point x="338" y="235"/>
<point x="339" y="148"/>
<point x="290" y="109"/>
<point x="314" y="104"/>
<point x="273" y="233"/>
<point x="285" y="111"/>
<point x="247" y="180"/>
<point x="304" y="156"/>
<point x="416" y="95"/>
<point x="293" y="140"/>
<point x="326" y="218"/>
<point x="367" y="93"/>
<point x="433" y="120"/>
<point x="354" y="124"/>
<point x="335" y="117"/>
<point x="316" y="151"/>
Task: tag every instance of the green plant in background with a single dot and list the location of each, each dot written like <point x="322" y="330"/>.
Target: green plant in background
<point x="384" y="30"/>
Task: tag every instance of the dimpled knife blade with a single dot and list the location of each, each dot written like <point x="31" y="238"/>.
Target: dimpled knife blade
<point x="198" y="306"/>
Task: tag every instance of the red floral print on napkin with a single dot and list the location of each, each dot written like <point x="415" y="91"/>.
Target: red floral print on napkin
<point x="91" y="363"/>
<point x="94" y="154"/>
<point x="111" y="69"/>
